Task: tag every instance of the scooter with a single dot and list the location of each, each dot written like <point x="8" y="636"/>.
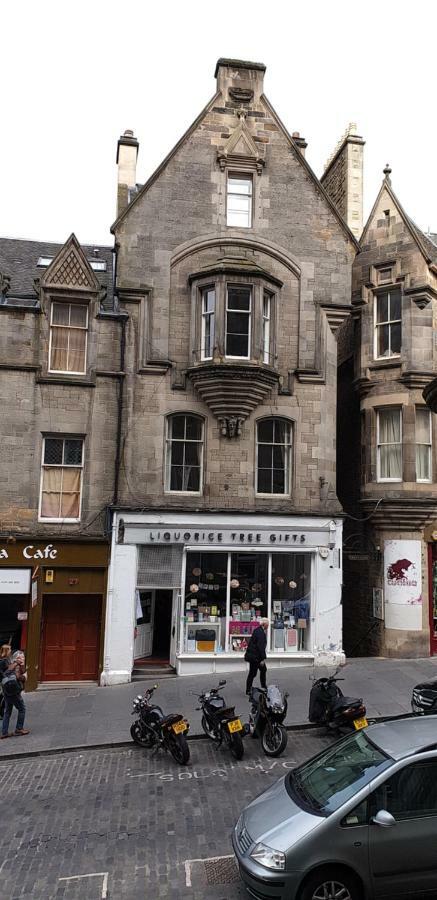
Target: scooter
<point x="152" y="729"/>
<point x="329" y="706"/>
<point x="268" y="710"/>
<point x="219" y="721"/>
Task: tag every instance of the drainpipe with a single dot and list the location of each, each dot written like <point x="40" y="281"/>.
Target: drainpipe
<point x="121" y="377"/>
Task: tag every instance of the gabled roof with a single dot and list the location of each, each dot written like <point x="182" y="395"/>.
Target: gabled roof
<point x="299" y="156"/>
<point x="424" y="242"/>
<point x="19" y="260"/>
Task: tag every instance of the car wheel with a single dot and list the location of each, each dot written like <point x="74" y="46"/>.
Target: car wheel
<point x="331" y="885"/>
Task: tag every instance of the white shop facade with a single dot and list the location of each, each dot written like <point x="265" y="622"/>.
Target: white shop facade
<point x="189" y="589"/>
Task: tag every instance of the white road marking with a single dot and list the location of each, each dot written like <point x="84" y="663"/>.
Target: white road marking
<point x="104" y="875"/>
<point x="188" y="863"/>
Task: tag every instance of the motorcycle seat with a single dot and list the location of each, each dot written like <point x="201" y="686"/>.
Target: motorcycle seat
<point x="171" y="719"/>
<point x="228" y="713"/>
<point x="256" y="694"/>
<point x="344" y="702"/>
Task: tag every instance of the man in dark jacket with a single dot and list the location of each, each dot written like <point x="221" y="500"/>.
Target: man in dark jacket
<point x="256" y="655"/>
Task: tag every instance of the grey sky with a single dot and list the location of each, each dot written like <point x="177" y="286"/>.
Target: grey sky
<point x="74" y="76"/>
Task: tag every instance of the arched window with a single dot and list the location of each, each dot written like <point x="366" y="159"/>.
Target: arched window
<point x="184" y="453"/>
<point x="273" y="456"/>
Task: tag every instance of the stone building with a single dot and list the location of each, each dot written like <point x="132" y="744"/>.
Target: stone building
<point x="386" y="469"/>
<point x="234" y="271"/>
<point x="59" y="387"/>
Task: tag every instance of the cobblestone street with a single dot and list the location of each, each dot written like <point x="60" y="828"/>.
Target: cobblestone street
<point x="123" y="824"/>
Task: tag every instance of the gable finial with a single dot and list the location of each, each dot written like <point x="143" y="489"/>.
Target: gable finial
<point x="387" y="172"/>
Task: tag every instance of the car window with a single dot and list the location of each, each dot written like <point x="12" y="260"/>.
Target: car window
<point x="410" y="793"/>
<point x="357" y="816"/>
<point x="328" y="780"/>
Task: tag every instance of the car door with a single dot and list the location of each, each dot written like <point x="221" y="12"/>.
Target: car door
<point x="403" y="856"/>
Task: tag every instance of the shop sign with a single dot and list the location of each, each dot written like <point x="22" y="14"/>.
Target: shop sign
<point x="14" y="581"/>
<point x="33" y="552"/>
<point x="403" y="585"/>
<point x="226" y="537"/>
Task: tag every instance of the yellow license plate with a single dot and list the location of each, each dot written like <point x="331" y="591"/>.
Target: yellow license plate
<point x="235" y="726"/>
<point x="360" y="723"/>
<point x="180" y="726"/>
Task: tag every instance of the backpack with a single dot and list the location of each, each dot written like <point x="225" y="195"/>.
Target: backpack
<point x="10" y="684"/>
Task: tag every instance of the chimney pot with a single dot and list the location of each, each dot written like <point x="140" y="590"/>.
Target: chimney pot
<point x="127" y="152"/>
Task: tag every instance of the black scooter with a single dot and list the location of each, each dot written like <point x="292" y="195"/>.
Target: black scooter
<point x="152" y="729"/>
<point x="219" y="721"/>
<point x="329" y="706"/>
<point x="268" y="710"/>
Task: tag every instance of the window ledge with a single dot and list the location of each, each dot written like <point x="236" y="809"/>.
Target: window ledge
<point x="63" y="521"/>
<point x="65" y="379"/>
<point x="393" y="362"/>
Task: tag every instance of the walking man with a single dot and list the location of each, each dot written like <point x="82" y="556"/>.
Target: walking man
<point x="256" y="655"/>
<point x="12" y="690"/>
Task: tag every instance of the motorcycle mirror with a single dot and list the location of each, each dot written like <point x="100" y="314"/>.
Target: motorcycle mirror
<point x="222" y="682"/>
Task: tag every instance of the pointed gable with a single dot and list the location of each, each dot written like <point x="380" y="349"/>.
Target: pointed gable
<point x="385" y="200"/>
<point x="70" y="269"/>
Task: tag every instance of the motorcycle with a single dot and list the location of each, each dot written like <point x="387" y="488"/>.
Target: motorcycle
<point x="268" y="711"/>
<point x="329" y="706"/>
<point x="219" y="721"/>
<point x="152" y="729"/>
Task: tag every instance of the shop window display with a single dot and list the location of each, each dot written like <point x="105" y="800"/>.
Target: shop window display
<point x="291" y="601"/>
<point x="205" y="602"/>
<point x="248" y="597"/>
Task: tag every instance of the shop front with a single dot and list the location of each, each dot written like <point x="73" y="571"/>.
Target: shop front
<point x="197" y="586"/>
<point x="52" y="606"/>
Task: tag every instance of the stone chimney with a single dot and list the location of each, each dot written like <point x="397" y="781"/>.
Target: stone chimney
<point x="343" y="179"/>
<point x="240" y="81"/>
<point x="127" y="152"/>
<point x="300" y="142"/>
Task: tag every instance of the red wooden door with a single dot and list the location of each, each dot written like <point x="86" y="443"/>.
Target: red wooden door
<point x="71" y="637"/>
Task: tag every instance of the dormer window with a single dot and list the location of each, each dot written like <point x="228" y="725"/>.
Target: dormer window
<point x="239" y="200"/>
<point x="68" y="338"/>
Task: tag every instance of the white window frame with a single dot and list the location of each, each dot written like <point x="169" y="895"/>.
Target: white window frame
<point x="428" y="480"/>
<point x="240" y="176"/>
<point x="266" y="326"/>
<point x="379" y="478"/>
<point x="388" y="322"/>
<point x="168" y="448"/>
<point x="249" y="288"/>
<point x="60" y="437"/>
<point x="289" y="459"/>
<point x="205" y="314"/>
<point x="73" y="327"/>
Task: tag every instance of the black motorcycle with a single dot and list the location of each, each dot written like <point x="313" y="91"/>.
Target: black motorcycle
<point x="268" y="710"/>
<point x="329" y="706"/>
<point x="152" y="729"/>
<point x="219" y="721"/>
<point x="424" y="699"/>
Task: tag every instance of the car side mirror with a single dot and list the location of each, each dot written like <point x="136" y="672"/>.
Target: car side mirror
<point x="384" y="818"/>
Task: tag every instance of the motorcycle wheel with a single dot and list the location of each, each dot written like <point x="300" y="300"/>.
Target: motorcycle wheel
<point x="179" y="749"/>
<point x="235" y="744"/>
<point x="137" y="735"/>
<point x="208" y="731"/>
<point x="274" y="740"/>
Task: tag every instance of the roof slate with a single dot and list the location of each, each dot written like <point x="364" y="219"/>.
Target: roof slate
<point x="18" y="259"/>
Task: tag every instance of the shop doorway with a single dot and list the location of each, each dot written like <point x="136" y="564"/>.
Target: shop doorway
<point x="71" y="637"/>
<point x="153" y="625"/>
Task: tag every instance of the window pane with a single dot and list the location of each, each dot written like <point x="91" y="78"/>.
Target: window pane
<point x="50" y="505"/>
<point x="176" y="425"/>
<point x="423" y="426"/>
<point x="423" y="463"/>
<point x="279" y="456"/>
<point x="177" y="453"/>
<point x="389" y="426"/>
<point x="382" y="308"/>
<point x="281" y="431"/>
<point x="60" y="313"/>
<point x="73" y="452"/>
<point x="53" y="451"/>
<point x="396" y="331"/>
<point x="383" y="340"/>
<point x="78" y="316"/>
<point x="194" y="428"/>
<point x="192" y="479"/>
<point x="209" y="301"/>
<point x="237" y="345"/>
<point x="71" y="480"/>
<point x="395" y="305"/>
<point x="239" y="185"/>
<point x="410" y="793"/>
<point x="239" y="298"/>
<point x="265" y="430"/>
<point x="70" y="506"/>
<point x="265" y="453"/>
<point x="192" y="453"/>
<point x="176" y="478"/>
<point x="279" y="481"/>
<point x="238" y="204"/>
<point x="391" y="461"/>
<point x="52" y="480"/>
<point x="264" y="481"/>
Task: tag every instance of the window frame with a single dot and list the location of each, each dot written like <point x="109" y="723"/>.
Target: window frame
<point x="204" y="291"/>
<point x="387" y="290"/>
<point x="250" y="289"/>
<point x="288" y="479"/>
<point x="70" y="303"/>
<point x="167" y="454"/>
<point x="266" y="329"/>
<point x="428" y="480"/>
<point x="242" y="176"/>
<point x="63" y="438"/>
<point x="379" y="478"/>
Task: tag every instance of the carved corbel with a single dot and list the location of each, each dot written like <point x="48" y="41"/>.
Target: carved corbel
<point x="230" y="426"/>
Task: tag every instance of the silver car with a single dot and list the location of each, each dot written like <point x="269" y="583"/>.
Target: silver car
<point x="356" y="822"/>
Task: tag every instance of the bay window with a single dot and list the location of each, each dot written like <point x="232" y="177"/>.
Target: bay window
<point x="68" y="338"/>
<point x="273" y="456"/>
<point x="184" y="453"/>
<point x="423" y="444"/>
<point x="389" y="444"/>
<point x="266" y="319"/>
<point x="238" y="321"/>
<point x="61" y="479"/>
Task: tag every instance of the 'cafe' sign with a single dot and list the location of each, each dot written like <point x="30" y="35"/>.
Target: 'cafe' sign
<point x="33" y="552"/>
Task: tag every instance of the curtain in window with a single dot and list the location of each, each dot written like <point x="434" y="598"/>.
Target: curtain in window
<point x="61" y="493"/>
<point x="390" y="447"/>
<point x="423" y="441"/>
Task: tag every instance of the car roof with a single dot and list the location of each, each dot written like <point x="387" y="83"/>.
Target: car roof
<point x="404" y="737"/>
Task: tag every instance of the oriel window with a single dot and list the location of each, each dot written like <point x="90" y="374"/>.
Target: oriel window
<point x="239" y="200"/>
<point x="68" y="338"/>
<point x="208" y="323"/>
<point x="273" y="456"/>
<point x="238" y="321"/>
<point x="388" y="324"/>
<point x="184" y="453"/>
<point x="61" y="478"/>
<point x="267" y="314"/>
<point x="389" y="439"/>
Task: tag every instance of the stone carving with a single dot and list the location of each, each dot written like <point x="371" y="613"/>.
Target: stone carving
<point x="240" y="147"/>
<point x="71" y="272"/>
<point x="240" y="94"/>
<point x="230" y="426"/>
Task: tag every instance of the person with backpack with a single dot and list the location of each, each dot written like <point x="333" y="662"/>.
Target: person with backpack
<point x="13" y="681"/>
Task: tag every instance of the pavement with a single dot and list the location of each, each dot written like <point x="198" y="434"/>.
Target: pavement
<point x="92" y="717"/>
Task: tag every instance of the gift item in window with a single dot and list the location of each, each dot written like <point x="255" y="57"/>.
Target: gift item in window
<point x="301" y="614"/>
<point x="291" y="639"/>
<point x="205" y="640"/>
<point x="196" y="572"/>
<point x="277" y="606"/>
<point x="278" y="635"/>
<point x="257" y="602"/>
<point x="279" y="580"/>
